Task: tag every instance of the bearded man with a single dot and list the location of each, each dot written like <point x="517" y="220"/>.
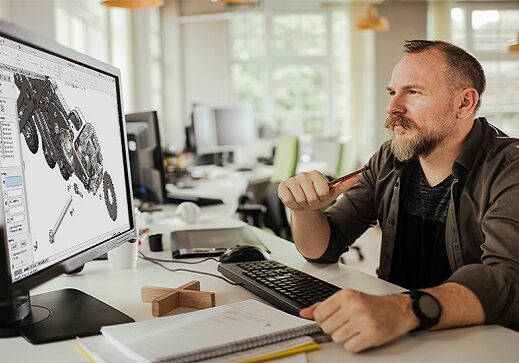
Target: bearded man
<point x="445" y="191"/>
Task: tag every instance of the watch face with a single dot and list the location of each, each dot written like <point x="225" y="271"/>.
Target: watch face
<point x="429" y="306"/>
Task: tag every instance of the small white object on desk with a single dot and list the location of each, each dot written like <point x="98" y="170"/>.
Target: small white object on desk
<point x="188" y="212"/>
<point x="124" y="256"/>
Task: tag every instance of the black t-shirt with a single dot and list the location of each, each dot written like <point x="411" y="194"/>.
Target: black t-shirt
<point x="419" y="257"/>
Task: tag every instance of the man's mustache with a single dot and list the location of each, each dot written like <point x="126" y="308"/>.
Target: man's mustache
<point x="399" y="120"/>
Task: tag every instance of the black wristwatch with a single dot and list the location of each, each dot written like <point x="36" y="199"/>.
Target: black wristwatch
<point x="426" y="308"/>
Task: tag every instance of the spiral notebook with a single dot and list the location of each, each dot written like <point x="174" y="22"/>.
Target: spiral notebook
<point x="207" y="333"/>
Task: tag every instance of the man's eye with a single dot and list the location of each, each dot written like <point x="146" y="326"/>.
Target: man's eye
<point x="412" y="92"/>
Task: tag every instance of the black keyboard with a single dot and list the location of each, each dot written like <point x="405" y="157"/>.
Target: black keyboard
<point x="200" y="201"/>
<point x="284" y="287"/>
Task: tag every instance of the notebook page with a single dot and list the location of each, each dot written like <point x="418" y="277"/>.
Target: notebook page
<point x="169" y="336"/>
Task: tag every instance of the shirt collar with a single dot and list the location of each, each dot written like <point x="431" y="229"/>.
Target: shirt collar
<point x="471" y="145"/>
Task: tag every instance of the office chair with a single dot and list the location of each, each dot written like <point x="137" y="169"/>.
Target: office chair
<point x="270" y="212"/>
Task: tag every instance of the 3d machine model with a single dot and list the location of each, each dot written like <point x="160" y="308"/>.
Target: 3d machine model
<point x="67" y="140"/>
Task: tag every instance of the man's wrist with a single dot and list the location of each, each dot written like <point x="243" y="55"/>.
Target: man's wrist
<point x="409" y="318"/>
<point x="304" y="212"/>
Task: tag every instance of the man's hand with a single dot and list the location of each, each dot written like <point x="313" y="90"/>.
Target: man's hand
<point x="310" y="191"/>
<point x="360" y="321"/>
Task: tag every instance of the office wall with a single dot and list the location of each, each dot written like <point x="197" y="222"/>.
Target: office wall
<point x="205" y="64"/>
<point x="173" y="110"/>
<point x="36" y="15"/>
<point x="408" y="20"/>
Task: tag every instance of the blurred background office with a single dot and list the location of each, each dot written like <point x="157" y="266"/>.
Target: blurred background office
<point x="304" y="67"/>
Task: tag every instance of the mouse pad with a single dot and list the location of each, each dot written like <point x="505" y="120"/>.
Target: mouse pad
<point x="211" y="242"/>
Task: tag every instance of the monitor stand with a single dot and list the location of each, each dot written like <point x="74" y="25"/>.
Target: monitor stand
<point x="62" y="314"/>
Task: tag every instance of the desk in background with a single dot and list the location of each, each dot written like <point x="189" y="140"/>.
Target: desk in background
<point x="225" y="183"/>
<point x="121" y="289"/>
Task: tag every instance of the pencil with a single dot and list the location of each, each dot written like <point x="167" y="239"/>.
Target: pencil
<point x="348" y="176"/>
<point x="304" y="348"/>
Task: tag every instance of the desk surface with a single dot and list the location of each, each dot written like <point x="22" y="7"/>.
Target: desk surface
<point x="121" y="289"/>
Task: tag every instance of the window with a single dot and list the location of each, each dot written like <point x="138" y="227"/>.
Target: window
<point x="292" y="69"/>
<point x="130" y="42"/>
<point x="155" y="58"/>
<point x="83" y="25"/>
<point x="485" y="32"/>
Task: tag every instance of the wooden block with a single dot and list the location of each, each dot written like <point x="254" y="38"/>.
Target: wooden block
<point x="164" y="299"/>
<point x="191" y="285"/>
<point x="148" y="293"/>
<point x="196" y="299"/>
<point x="165" y="303"/>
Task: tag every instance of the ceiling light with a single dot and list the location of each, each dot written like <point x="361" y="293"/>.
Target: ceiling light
<point x="236" y="2"/>
<point x="133" y="4"/>
<point x="372" y="21"/>
<point x="513" y="48"/>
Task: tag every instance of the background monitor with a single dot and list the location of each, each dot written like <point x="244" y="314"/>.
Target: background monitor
<point x="221" y="129"/>
<point x="66" y="196"/>
<point x="146" y="160"/>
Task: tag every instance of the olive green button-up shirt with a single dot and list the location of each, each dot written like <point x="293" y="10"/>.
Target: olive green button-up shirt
<point x="482" y="227"/>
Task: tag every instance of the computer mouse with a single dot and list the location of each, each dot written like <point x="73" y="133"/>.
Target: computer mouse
<point x="244" y="253"/>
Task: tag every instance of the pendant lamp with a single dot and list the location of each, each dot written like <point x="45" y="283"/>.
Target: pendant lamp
<point x="514" y="48"/>
<point x="133" y="4"/>
<point x="372" y="21"/>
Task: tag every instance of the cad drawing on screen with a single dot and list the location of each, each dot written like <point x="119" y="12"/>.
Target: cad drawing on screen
<point x="67" y="140"/>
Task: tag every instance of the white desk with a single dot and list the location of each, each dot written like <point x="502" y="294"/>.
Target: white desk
<point x="259" y="174"/>
<point x="121" y="289"/>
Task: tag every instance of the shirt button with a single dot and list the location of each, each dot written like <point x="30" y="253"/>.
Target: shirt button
<point x="390" y="221"/>
<point x="396" y="184"/>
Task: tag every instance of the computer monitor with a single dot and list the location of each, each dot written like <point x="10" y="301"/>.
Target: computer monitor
<point x="66" y="195"/>
<point x="221" y="129"/>
<point x="146" y="160"/>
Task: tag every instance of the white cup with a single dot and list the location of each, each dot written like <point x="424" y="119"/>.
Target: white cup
<point x="124" y="256"/>
<point x="188" y="212"/>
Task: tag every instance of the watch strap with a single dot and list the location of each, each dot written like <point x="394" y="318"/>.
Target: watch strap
<point x="425" y="321"/>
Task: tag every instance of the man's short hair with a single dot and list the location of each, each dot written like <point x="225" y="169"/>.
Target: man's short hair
<point x="462" y="66"/>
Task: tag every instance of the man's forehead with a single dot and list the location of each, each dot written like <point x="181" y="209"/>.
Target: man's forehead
<point x="424" y="69"/>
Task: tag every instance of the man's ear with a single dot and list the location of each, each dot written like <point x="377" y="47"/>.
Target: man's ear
<point x="469" y="100"/>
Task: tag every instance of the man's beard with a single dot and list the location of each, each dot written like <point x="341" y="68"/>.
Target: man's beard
<point x="422" y="144"/>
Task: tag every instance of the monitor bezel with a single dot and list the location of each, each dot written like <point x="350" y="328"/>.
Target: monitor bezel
<point x="75" y="261"/>
<point x="151" y="117"/>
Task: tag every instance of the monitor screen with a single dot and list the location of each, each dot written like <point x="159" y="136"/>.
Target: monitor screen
<point x="146" y="161"/>
<point x="66" y="196"/>
<point x="220" y="129"/>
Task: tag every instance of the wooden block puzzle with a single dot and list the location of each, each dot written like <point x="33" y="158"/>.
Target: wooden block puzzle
<point x="164" y="299"/>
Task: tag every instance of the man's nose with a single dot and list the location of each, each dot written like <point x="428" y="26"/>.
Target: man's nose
<point x="395" y="105"/>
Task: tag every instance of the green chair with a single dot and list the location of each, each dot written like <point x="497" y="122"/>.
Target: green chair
<point x="345" y="164"/>
<point x="346" y="161"/>
<point x="285" y="158"/>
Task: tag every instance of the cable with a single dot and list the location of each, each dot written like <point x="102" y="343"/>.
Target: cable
<point x="175" y="261"/>
<point x="158" y="261"/>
